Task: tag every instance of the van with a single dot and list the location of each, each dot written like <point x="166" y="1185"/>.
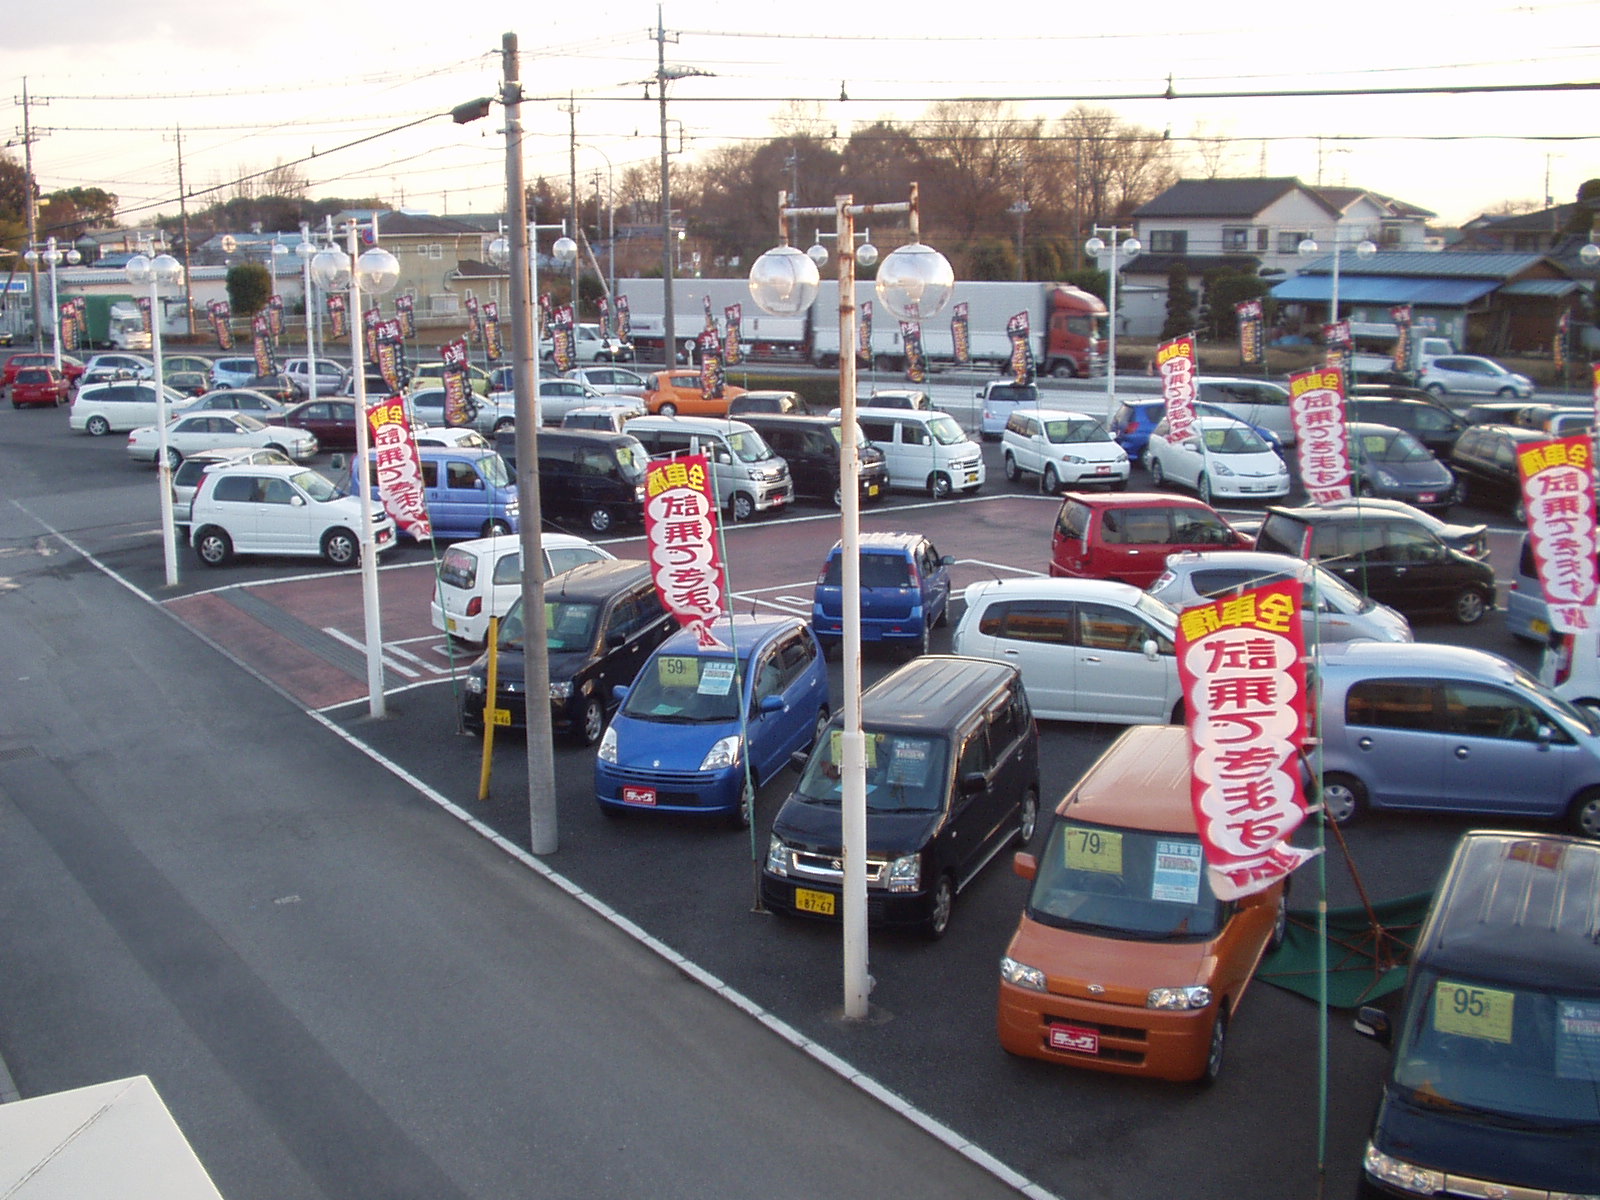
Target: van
<point x="1495" y="1085"/>
<point x="123" y="406"/>
<point x="749" y="477"/>
<point x="591" y="476"/>
<point x="1124" y="960"/>
<point x="469" y="492"/>
<point x="905" y="592"/>
<point x="1127" y="536"/>
<point x="997" y="400"/>
<point x="952" y="757"/>
<point x="924" y="451"/>
<point x="482" y="578"/>
<point x="810" y="445"/>
<point x="1527" y="612"/>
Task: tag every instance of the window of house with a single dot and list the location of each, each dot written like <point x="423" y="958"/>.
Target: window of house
<point x="1235" y="238"/>
<point x="1169" y="241"/>
<point x="1289" y="241"/>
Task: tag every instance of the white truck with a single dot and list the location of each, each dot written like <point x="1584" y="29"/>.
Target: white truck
<point x="1373" y="347"/>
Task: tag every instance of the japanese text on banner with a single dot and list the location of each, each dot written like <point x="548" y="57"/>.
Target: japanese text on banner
<point x="1175" y="364"/>
<point x="397" y="467"/>
<point x="1558" y="494"/>
<point x="680" y="525"/>
<point x="1317" y="414"/>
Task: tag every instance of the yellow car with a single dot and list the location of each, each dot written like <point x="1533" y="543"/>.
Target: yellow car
<point x="431" y="374"/>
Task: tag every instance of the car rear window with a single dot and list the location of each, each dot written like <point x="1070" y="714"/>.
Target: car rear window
<point x="1281" y="535"/>
<point x="1073" y="520"/>
<point x="877" y="571"/>
<point x="458" y="568"/>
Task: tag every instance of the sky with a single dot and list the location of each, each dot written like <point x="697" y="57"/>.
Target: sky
<point x="112" y="86"/>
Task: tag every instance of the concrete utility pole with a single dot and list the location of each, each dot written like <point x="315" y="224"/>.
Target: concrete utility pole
<point x="669" y="332"/>
<point x="33" y="218"/>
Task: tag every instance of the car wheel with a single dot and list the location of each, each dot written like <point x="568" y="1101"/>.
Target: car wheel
<point x="494" y="529"/>
<point x="1063" y="370"/>
<point x="669" y="409"/>
<point x="1028" y="818"/>
<point x="1153" y="465"/>
<point x="593" y="723"/>
<point x="941" y="487"/>
<point x="1202" y="486"/>
<point x="174" y="459"/>
<point x="939" y="907"/>
<point x="504" y="424"/>
<point x="821" y="727"/>
<point x="1435" y="390"/>
<point x="340" y="547"/>
<point x="213" y="546"/>
<point x="1584" y="814"/>
<point x="1469" y="606"/>
<point x="739" y="818"/>
<point x="97" y="427"/>
<point x="1012" y="472"/>
<point x="1520" y="511"/>
<point x="742" y="507"/>
<point x="1343" y="798"/>
<point x="838" y="497"/>
<point x="922" y="644"/>
<point x="1364" y="489"/>
<point x="600" y="519"/>
<point x="1178" y="715"/>
<point x="1219" y="1043"/>
<point x="1051" y="482"/>
<point x="1280" y="923"/>
<point x="1507" y="393"/>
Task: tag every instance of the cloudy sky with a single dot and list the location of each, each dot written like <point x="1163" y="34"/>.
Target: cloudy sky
<point x="112" y="86"/>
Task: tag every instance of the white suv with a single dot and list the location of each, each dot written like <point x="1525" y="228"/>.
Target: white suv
<point x="279" y="510"/>
<point x="1062" y="448"/>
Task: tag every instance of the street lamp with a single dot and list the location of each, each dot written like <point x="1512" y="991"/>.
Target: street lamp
<point x="141" y="270"/>
<point x="52" y="255"/>
<point x="307" y="250"/>
<point x="1111" y="257"/>
<point x="376" y="272"/>
<point x="1309" y="249"/>
<point x="914" y="283"/>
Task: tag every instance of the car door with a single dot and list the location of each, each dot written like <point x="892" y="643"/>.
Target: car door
<point x="1494" y="757"/>
<point x="467" y="502"/>
<point x="283" y="517"/>
<point x="935" y="576"/>
<point x="1392" y="731"/>
<point x="1036" y="637"/>
<point x="1113" y="677"/>
<point x="1356" y="552"/>
<point x="234" y="505"/>
<point x="972" y="814"/>
<point x="1419" y="566"/>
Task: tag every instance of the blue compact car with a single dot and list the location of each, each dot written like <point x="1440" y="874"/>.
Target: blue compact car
<point x="1133" y="420"/>
<point x="905" y="592"/>
<point x="702" y="728"/>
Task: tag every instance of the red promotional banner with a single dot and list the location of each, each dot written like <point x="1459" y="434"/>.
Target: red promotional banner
<point x="491" y="331"/>
<point x="1021" y="349"/>
<point x="459" y="406"/>
<point x="732" y="352"/>
<point x="711" y="322"/>
<point x="604" y="305"/>
<point x="1252" y="352"/>
<point x="1594" y="378"/>
<point x="475" y="322"/>
<point x="712" y="379"/>
<point x="261" y="345"/>
<point x="222" y="323"/>
<point x="1316" y="411"/>
<point x="680" y="527"/>
<point x="336" y="315"/>
<point x="397" y="467"/>
<point x="1175" y="364"/>
<point x="1241" y="662"/>
<point x="911" y="340"/>
<point x="624" y="320"/>
<point x="864" y="334"/>
<point x="1558" y="494"/>
<point x="961" y="335"/>
<point x="370" y="321"/>
<point x="390" y="339"/>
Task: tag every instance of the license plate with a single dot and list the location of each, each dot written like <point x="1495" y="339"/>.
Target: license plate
<point x="809" y="901"/>
<point x="1104" y="470"/>
<point x="872" y="489"/>
<point x="639" y="795"/>
<point x="972" y="477"/>
<point x="500" y="716"/>
<point x="450" y="624"/>
<point x="1427" y="497"/>
<point x="1539" y="627"/>
<point x="1074" y="1038"/>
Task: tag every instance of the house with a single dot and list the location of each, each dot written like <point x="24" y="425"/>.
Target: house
<point x="1523" y="233"/>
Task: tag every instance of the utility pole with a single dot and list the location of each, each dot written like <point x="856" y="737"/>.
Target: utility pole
<point x="572" y="191"/>
<point x="669" y="332"/>
<point x="33" y="220"/>
<point x="183" y="232"/>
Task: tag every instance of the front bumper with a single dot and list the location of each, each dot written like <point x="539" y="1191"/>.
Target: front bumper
<point x="1127" y="1041"/>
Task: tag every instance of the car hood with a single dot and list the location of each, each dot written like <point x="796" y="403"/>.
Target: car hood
<point x="1420" y="472"/>
<point x="1090" y="451"/>
<point x="511" y="669"/>
<point x="666" y="746"/>
<point x="1075" y="961"/>
<point x="816" y="827"/>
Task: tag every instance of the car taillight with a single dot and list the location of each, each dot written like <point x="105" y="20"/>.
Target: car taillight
<point x="1133" y="426"/>
<point x="915" y="578"/>
<point x="474" y="606"/>
<point x="1563" y="649"/>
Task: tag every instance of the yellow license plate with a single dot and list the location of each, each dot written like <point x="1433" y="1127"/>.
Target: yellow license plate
<point x="450" y="624"/>
<point x="1539" y="627"/>
<point x="500" y="716"/>
<point x="872" y="489"/>
<point x="809" y="901"/>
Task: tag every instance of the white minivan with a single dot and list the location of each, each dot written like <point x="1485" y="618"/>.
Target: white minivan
<point x="482" y="578"/>
<point x="750" y="477"/>
<point x="125" y="405"/>
<point x="923" y="451"/>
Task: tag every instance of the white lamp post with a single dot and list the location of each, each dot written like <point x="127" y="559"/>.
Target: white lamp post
<point x="163" y="269"/>
<point x="376" y="272"/>
<point x="52" y="255"/>
<point x="1309" y="249"/>
<point x="306" y="251"/>
<point x="1111" y="257"/>
<point x="915" y="283"/>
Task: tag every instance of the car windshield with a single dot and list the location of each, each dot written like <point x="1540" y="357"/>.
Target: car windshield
<point x="748" y="447"/>
<point x="686" y="689"/>
<point x="945" y="431"/>
<point x="632" y="459"/>
<point x="568" y="626"/>
<point x="1125" y="883"/>
<point x="1076" y="429"/>
<point x="1482" y="1048"/>
<point x="1393" y="447"/>
<point x="493" y="468"/>
<point x="836" y="433"/>
<point x="905" y="772"/>
<point x="1580" y="715"/>
<point x="316" y="486"/>
<point x="1233" y="439"/>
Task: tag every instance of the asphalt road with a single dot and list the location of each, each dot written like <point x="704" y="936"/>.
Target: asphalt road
<point x="931" y="1040"/>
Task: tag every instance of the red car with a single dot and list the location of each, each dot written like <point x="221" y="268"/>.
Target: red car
<point x="70" y="367"/>
<point x="40" y="385"/>
<point x="333" y="421"/>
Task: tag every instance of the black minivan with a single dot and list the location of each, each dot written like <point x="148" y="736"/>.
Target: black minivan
<point x="952" y="758"/>
<point x="1495" y="1087"/>
<point x="586" y="475"/>
<point x="810" y="445"/>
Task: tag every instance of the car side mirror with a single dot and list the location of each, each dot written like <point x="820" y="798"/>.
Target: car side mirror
<point x="619" y="693"/>
<point x="297" y="501"/>
<point x="1024" y="865"/>
<point x="798" y="760"/>
<point x="1152" y="651"/>
<point x="948" y="560"/>
<point x="1545" y="735"/>
<point x="973" y="783"/>
<point x="771" y="704"/>
<point x="1371" y="1021"/>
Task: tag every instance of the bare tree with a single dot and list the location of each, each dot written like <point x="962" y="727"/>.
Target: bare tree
<point x="1216" y="151"/>
<point x="980" y="150"/>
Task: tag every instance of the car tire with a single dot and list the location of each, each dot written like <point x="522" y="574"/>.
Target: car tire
<point x="741" y="507"/>
<point x="213" y="546"/>
<point x="1013" y="473"/>
<point x="820" y="727"/>
<point x="1469" y="606"/>
<point x="1178" y="714"/>
<point x="744" y="811"/>
<point x="1202" y="487"/>
<point x="600" y="519"/>
<point x="593" y="722"/>
<point x="97" y="426"/>
<point x="1506" y="393"/>
<point x="838" y="497"/>
<point x="940" y="905"/>
<point x="505" y="423"/>
<point x="669" y="409"/>
<point x="1343" y="797"/>
<point x="1063" y="370"/>
<point x="494" y="529"/>
<point x="1519" y="511"/>
<point x="1435" y="390"/>
<point x="1028" y="818"/>
<point x="1153" y="464"/>
<point x="174" y="459"/>
<point x="1216" y="1047"/>
<point x="940" y="487"/>
<point x="1583" y="814"/>
<point x="341" y="547"/>
<point x="1050" y="481"/>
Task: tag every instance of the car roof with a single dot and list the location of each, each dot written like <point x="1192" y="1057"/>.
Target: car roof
<point x="1518" y="433"/>
<point x="1362" y="660"/>
<point x="899" y="414"/>
<point x="512" y="541"/>
<point x="1181" y="561"/>
<point x="1045" y="588"/>
<point x="1140" y="782"/>
<point x="932" y="692"/>
<point x="597" y="581"/>
<point x="1134" y="500"/>
<point x="1057" y="414"/>
<point x="884" y="541"/>
<point x="795" y="420"/>
<point x="746" y="634"/>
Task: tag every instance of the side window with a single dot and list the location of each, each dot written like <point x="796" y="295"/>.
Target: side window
<point x="915" y="435"/>
<point x="1101" y="627"/>
<point x="508" y="569"/>
<point x="1408" y="545"/>
<point x="1504" y="458"/>
<point x="1029" y="621"/>
<point x="1363" y="540"/>
<point x="1525" y="563"/>
<point x="1212" y="584"/>
<point x="277" y="491"/>
<point x="1476" y="710"/>
<point x="1140" y="527"/>
<point x="881" y="432"/>
<point x="975" y="758"/>
<point x="1073" y="520"/>
<point x="769" y="676"/>
<point x="430" y="473"/>
<point x="1391" y="704"/>
<point x="461" y="475"/>
<point x="1283" y="536"/>
<point x="1193" y="527"/>
<point x="235" y="488"/>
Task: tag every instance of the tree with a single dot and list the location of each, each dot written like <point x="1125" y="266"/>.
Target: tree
<point x="1180" y="302"/>
<point x="1223" y="290"/>
<point x="96" y="207"/>
<point x="16" y="189"/>
<point x="979" y="151"/>
<point x="992" y="259"/>
<point x="249" y="286"/>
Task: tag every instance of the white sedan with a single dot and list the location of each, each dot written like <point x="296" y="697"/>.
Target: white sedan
<point x="1221" y="457"/>
<point x="219" y="431"/>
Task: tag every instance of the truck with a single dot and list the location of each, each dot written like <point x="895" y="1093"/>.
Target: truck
<point x="1067" y="328"/>
<point x="1373" y="342"/>
<point x="114" y="323"/>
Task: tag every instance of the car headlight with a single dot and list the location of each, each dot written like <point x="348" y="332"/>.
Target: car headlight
<point x="724" y="753"/>
<point x="904" y="873"/>
<point x="1073" y="459"/>
<point x="560" y="689"/>
<point x="1222" y="468"/>
<point x="1283" y="467"/>
<point x="1121" y="458"/>
<point x="1021" y="974"/>
<point x="1181" y="998"/>
<point x="1400" y="1174"/>
<point x="1387" y="479"/>
<point x="777" y="856"/>
<point x="608" y="745"/>
<point x="474" y="685"/>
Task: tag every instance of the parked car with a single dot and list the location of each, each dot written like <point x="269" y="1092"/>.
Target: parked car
<point x="1257" y="402"/>
<point x="1485" y="462"/>
<point x="701" y="728"/>
<point x="171" y="363"/>
<point x="488" y="414"/>
<point x="589" y="476"/>
<point x="40" y="386"/>
<point x="766" y="402"/>
<point x="1448" y="729"/>
<point x="1494" y="412"/>
<point x="905" y="592"/>
<point x="669" y="393"/>
<point x="1570" y="666"/>
<point x="1385" y="554"/>
<point x="333" y="421"/>
<point x="604" y="417"/>
<point x="810" y="445"/>
<point x="899" y="398"/>
<point x="102" y="408"/>
<point x="997" y="400"/>
<point x="1223" y="458"/>
<point x="1127" y="536"/>
<point x="186" y="479"/>
<point x="1132" y="422"/>
<point x="190" y="383"/>
<point x="469" y="491"/>
<point x="1062" y="448"/>
<point x="431" y="374"/>
<point x="329" y="381"/>
<point x="1556" y="420"/>
<point x="1124" y="960"/>
<point x="217" y="431"/>
<point x="1088" y="649"/>
<point x="460" y="437"/>
<point x="611" y="380"/>
<point x="374" y="384"/>
<point x="1331" y="610"/>
<point x="603" y="620"/>
<point x="278" y="386"/>
<point x="557" y="397"/>
<point x="952" y="767"/>
<point x="1430" y="422"/>
<point x="71" y="367"/>
<point x="1527" y="612"/>
<point x="924" y="451"/>
<point x="102" y="367"/>
<point x="1390" y="463"/>
<point x="262" y="509"/>
<point x="589" y="346"/>
<point x="1494" y="1085"/>
<point x="748" y="477"/>
<point x="258" y="405"/>
<point x="1468" y="374"/>
<point x="232" y="372"/>
<point x="482" y="578"/>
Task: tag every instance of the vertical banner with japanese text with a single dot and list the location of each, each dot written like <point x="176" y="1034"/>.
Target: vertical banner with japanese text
<point x="1252" y="348"/>
<point x="397" y="467"/>
<point x="1558" y="494"/>
<point x="70" y="324"/>
<point x="1175" y="364"/>
<point x="1400" y="314"/>
<point x="144" y="311"/>
<point x="261" y="345"/>
<point x="546" y="317"/>
<point x="625" y="321"/>
<point x="390" y="340"/>
<point x="1241" y="663"/>
<point x="961" y="335"/>
<point x="712" y="380"/>
<point x="275" y="317"/>
<point x="491" y="331"/>
<point x="562" y="337"/>
<point x="864" y="335"/>
<point x="475" y="323"/>
<point x="80" y="320"/>
<point x="369" y="324"/>
<point x="459" y="406"/>
<point x="222" y="323"/>
<point x="732" y="351"/>
<point x="604" y="305"/>
<point x="405" y="311"/>
<point x="911" y="340"/>
<point x="1336" y="342"/>
<point x="1316" y="413"/>
<point x="337" y="315"/>
<point x="680" y="529"/>
<point x="1018" y="331"/>
<point x="711" y="321"/>
<point x="1558" y="348"/>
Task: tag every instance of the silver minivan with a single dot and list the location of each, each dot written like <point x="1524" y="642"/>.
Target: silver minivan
<point x="1448" y="729"/>
<point x="750" y="478"/>
<point x="924" y="451"/>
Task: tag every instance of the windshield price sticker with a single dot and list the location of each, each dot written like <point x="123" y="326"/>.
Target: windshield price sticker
<point x="716" y="679"/>
<point x="1578" y="1041"/>
<point x="908" y="762"/>
<point x="1176" y="877"/>
<point x="678" y="670"/>
<point x="836" y="748"/>
<point x="1469" y="1011"/>
<point x="1094" y="850"/>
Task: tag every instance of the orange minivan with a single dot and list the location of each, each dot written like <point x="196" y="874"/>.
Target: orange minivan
<point x="677" y="393"/>
<point x="1126" y="536"/>
<point x="1125" y="960"/>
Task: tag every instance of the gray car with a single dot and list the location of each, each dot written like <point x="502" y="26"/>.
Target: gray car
<point x="1467" y="374"/>
<point x="1452" y="730"/>
<point x="1333" y="611"/>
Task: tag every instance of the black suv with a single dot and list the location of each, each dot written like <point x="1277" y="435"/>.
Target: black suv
<point x="1390" y="552"/>
<point x="810" y="445"/>
<point x="603" y="620"/>
<point x="1430" y="422"/>
<point x="1485" y="462"/>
